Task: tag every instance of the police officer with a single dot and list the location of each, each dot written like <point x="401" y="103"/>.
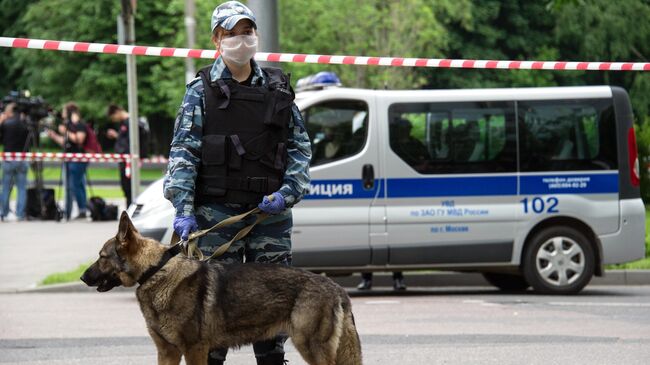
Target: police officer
<point x="239" y="138"/>
<point x="366" y="281"/>
<point x="120" y="133"/>
<point x="14" y="136"/>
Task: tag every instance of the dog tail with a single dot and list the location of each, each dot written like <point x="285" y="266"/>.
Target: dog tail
<point x="349" y="349"/>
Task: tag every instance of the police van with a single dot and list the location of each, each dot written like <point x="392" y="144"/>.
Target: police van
<point x="530" y="186"/>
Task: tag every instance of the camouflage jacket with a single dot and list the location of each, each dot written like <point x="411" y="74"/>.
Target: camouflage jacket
<point x="185" y="153"/>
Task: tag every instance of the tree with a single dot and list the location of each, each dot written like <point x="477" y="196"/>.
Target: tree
<point x="95" y="80"/>
<point x="601" y="30"/>
<point x="408" y="28"/>
<point x="499" y="30"/>
<point x="12" y="10"/>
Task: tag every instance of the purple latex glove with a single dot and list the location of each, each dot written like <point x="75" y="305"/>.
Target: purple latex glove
<point x="274" y="206"/>
<point x="183" y="226"/>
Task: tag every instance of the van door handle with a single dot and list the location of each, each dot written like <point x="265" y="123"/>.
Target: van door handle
<point x="368" y="177"/>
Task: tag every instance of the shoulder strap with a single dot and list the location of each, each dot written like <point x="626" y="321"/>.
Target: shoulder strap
<point x="204" y="71"/>
<point x="221" y="90"/>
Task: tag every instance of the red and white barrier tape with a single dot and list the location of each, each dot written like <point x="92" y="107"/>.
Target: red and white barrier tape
<point x="324" y="59"/>
<point x="75" y="157"/>
<point x="127" y="169"/>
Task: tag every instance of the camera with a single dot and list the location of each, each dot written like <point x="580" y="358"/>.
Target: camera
<point x="35" y="108"/>
<point x="33" y="111"/>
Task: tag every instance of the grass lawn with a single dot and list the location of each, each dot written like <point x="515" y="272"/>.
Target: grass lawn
<point x="104" y="192"/>
<point x="95" y="174"/>
<point x="64" y="277"/>
<point x="99" y="173"/>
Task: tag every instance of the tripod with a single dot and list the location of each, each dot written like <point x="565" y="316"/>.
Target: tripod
<point x="41" y="202"/>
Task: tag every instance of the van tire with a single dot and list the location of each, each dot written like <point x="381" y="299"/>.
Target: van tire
<point x="506" y="282"/>
<point x="558" y="260"/>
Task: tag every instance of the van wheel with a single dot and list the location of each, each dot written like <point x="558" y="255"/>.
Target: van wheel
<point x="506" y="282"/>
<point x="558" y="260"/>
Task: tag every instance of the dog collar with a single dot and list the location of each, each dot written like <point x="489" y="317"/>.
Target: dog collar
<point x="171" y="252"/>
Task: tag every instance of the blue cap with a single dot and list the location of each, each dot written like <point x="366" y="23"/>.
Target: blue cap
<point x="229" y="13"/>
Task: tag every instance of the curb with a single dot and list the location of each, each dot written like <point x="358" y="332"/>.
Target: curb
<point x="450" y="278"/>
<point x="430" y="279"/>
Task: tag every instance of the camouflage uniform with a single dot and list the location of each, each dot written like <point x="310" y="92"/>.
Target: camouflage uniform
<point x="271" y="240"/>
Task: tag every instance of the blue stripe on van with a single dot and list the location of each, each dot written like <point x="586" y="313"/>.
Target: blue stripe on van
<point x="467" y="186"/>
<point x="452" y="186"/>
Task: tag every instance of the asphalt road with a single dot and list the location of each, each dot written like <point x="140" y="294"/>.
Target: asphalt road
<point x="602" y="325"/>
<point x="441" y="325"/>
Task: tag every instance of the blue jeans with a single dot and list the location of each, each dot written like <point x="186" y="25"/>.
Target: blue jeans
<point x="75" y="186"/>
<point x="14" y="172"/>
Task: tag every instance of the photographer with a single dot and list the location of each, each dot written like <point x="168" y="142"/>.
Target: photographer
<point x="71" y="136"/>
<point x="14" y="136"/>
<point x="120" y="133"/>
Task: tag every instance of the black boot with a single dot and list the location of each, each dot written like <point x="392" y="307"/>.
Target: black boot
<point x="217" y="356"/>
<point x="271" y="359"/>
<point x="398" y="284"/>
<point x="366" y="284"/>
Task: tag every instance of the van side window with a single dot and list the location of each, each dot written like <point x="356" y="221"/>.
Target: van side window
<point x="445" y="138"/>
<point x="565" y="135"/>
<point x="337" y="129"/>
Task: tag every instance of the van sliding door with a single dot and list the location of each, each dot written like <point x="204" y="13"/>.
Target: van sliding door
<point x="332" y="222"/>
<point x="451" y="183"/>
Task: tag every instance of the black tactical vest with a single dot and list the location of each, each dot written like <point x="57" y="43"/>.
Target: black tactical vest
<point x="244" y="144"/>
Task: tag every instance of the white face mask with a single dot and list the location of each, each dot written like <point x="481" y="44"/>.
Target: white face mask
<point x="239" y="49"/>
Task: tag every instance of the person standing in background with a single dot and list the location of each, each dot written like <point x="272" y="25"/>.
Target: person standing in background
<point x="71" y="136"/>
<point x="14" y="136"/>
<point x="366" y="281"/>
<point x="119" y="132"/>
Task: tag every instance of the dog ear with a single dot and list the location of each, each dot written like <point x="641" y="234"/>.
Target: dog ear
<point x="126" y="231"/>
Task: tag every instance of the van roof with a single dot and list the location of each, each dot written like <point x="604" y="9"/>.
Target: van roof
<point x="527" y="93"/>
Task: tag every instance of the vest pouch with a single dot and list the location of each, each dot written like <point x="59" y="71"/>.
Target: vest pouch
<point x="214" y="153"/>
<point x="278" y="108"/>
<point x="276" y="158"/>
<point x="213" y="150"/>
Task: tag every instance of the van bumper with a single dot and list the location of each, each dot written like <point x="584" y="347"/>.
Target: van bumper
<point x="628" y="244"/>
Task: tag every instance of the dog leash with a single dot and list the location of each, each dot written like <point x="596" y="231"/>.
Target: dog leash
<point x="190" y="246"/>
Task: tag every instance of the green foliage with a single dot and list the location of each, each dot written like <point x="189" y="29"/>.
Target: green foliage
<point x="499" y="30"/>
<point x="414" y="28"/>
<point x="95" y="80"/>
<point x="64" y="76"/>
<point x="643" y="145"/>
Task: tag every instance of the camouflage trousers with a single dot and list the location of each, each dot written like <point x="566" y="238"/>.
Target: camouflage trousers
<point x="268" y="242"/>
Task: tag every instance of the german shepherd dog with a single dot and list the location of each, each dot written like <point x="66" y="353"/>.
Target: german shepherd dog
<point x="191" y="306"/>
